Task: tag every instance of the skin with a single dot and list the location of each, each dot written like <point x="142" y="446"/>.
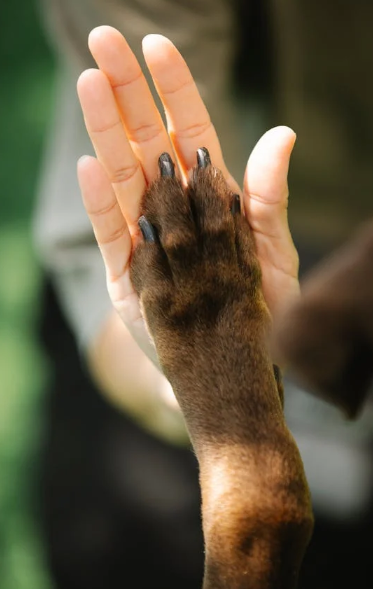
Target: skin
<point x="128" y="136"/>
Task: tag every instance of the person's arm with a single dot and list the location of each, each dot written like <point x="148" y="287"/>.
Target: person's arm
<point x="132" y="382"/>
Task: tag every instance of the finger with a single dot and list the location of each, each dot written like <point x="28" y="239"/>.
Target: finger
<point x="145" y="129"/>
<point x="114" y="241"/>
<point x="110" y="142"/>
<point x="107" y="220"/>
<point x="265" y="200"/>
<point x="188" y="121"/>
<point x="265" y="183"/>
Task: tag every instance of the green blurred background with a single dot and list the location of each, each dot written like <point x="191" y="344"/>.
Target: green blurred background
<point x="26" y="94"/>
<point x="26" y="91"/>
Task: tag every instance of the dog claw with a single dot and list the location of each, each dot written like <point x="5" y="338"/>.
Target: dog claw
<point x="147" y="229"/>
<point x="236" y="205"/>
<point x="166" y="165"/>
<point x="203" y="157"/>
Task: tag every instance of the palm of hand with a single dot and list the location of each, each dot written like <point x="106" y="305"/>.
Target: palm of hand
<point x="128" y="135"/>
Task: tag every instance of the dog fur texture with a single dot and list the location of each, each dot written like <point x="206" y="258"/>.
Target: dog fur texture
<point x="199" y="283"/>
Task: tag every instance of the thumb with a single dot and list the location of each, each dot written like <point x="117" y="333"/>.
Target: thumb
<point x="265" y="184"/>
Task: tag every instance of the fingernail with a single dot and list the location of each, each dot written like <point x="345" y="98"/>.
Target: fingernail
<point x="147" y="229"/>
<point x="203" y="157"/>
<point x="236" y="204"/>
<point x="166" y="165"/>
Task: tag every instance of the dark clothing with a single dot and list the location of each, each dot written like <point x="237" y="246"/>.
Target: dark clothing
<point x="119" y="506"/>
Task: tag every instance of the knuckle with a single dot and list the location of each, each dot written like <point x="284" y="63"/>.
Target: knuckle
<point x="193" y="131"/>
<point x="107" y="127"/>
<point x="124" y="174"/>
<point x="104" y="210"/>
<point x="179" y="87"/>
<point x="146" y="133"/>
<point x="113" y="236"/>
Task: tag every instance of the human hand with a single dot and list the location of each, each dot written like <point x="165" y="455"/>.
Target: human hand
<point x="128" y="135"/>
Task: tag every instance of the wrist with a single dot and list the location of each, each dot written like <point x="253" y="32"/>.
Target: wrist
<point x="131" y="382"/>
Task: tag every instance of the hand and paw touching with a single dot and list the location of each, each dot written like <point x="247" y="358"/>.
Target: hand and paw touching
<point x="199" y="282"/>
<point x="128" y="135"/>
<point x="194" y="275"/>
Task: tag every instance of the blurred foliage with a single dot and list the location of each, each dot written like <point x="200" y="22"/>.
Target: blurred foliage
<point x="25" y="100"/>
<point x="25" y="96"/>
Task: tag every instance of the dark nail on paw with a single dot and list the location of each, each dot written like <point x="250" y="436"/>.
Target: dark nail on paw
<point x="147" y="229"/>
<point x="166" y="165"/>
<point x="236" y="205"/>
<point x="203" y="157"/>
<point x="276" y="372"/>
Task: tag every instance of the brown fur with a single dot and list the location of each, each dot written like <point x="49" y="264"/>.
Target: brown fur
<point x="327" y="336"/>
<point x="200" y="287"/>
